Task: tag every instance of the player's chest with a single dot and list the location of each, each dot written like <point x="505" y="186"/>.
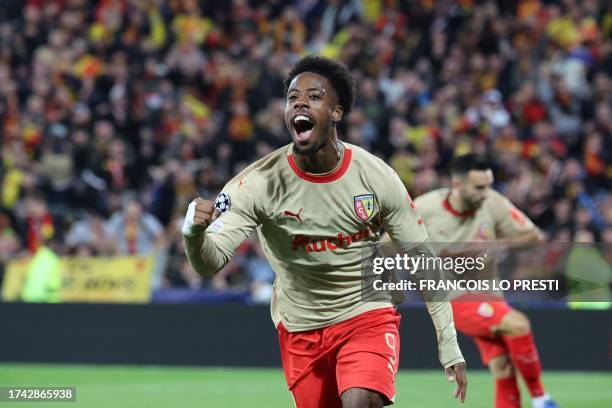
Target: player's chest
<point x="451" y="228"/>
<point x="325" y="209"/>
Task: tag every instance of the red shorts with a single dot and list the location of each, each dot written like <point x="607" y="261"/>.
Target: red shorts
<point x="360" y="352"/>
<point x="478" y="318"/>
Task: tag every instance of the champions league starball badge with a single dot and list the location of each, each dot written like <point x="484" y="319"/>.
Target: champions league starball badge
<point x="223" y="203"/>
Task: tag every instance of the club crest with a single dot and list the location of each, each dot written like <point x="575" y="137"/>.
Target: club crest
<point x="364" y="206"/>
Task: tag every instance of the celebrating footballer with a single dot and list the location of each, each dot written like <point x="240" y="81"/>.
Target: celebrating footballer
<point x="319" y="205"/>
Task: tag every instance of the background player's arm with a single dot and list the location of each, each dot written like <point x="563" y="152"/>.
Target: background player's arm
<point x="405" y="227"/>
<point x="211" y="238"/>
<point x="512" y="226"/>
<point x="524" y="238"/>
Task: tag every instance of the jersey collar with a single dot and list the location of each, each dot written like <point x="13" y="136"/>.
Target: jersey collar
<point x="446" y="204"/>
<point x="322" y="178"/>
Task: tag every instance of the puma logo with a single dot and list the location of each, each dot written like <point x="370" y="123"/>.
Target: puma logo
<point x="292" y="214"/>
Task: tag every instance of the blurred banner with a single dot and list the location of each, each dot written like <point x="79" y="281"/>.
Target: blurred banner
<point x="48" y="278"/>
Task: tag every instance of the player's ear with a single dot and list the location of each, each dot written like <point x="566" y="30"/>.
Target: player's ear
<point x="337" y="113"/>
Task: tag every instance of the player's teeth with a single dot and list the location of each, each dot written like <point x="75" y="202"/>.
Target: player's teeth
<point x="302" y="117"/>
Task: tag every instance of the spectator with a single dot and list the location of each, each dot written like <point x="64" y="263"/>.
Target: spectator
<point x="87" y="237"/>
<point x="133" y="231"/>
<point x="170" y="99"/>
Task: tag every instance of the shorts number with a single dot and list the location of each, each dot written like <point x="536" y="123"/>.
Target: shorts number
<point x="390" y="340"/>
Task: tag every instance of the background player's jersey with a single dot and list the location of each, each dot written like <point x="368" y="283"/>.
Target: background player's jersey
<point x="316" y="230"/>
<point x="496" y="218"/>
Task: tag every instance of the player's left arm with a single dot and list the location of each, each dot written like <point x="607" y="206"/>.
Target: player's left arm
<point x="405" y="228"/>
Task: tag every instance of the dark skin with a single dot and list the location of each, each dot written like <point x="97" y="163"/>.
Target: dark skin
<point x="313" y="95"/>
<point x="457" y="373"/>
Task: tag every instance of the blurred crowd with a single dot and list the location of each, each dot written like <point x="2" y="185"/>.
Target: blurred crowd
<point x="114" y="114"/>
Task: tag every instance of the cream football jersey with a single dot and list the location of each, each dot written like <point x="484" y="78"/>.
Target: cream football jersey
<point x="316" y="230"/>
<point x="495" y="219"/>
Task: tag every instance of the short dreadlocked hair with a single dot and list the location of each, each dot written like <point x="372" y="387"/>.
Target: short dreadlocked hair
<point x="337" y="74"/>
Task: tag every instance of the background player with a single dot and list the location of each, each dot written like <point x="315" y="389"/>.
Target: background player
<point x="318" y="205"/>
<point x="469" y="212"/>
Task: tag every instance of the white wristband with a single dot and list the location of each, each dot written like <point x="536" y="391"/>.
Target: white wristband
<point x="189" y="227"/>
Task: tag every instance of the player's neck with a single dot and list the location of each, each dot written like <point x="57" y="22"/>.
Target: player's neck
<point x="325" y="160"/>
<point x="456" y="203"/>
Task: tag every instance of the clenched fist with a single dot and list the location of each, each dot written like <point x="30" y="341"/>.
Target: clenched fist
<point x="200" y="214"/>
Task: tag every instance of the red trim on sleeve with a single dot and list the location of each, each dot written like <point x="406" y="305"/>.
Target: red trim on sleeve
<point x="446" y="204"/>
<point x="323" y="178"/>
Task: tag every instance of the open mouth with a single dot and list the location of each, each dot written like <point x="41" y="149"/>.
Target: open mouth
<point x="303" y="126"/>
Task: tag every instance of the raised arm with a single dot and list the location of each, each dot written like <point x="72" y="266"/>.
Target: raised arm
<point x="203" y="254"/>
<point x="213" y="230"/>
